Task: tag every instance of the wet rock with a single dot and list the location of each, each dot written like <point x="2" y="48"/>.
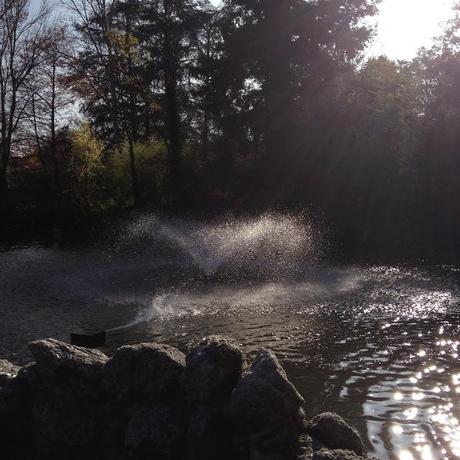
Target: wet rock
<point x="156" y="433"/>
<point x="212" y="370"/>
<point x="7" y="372"/>
<point x="144" y="372"/>
<point x="335" y="433"/>
<point x="336" y="454"/>
<point x="270" y="409"/>
<point x="68" y="367"/>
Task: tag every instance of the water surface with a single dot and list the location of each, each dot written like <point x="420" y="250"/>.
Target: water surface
<point x="378" y="344"/>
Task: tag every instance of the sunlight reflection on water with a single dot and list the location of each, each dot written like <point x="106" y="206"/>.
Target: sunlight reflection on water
<point x="416" y="414"/>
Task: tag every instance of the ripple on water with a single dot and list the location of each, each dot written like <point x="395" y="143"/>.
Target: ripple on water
<point x="411" y="399"/>
<point x="377" y="344"/>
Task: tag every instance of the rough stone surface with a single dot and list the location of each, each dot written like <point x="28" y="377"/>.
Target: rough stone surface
<point x="269" y="407"/>
<point x="146" y="371"/>
<point x="335" y="433"/>
<point x="7" y="371"/>
<point x="156" y="433"/>
<point x="212" y="370"/>
<point x="337" y="454"/>
<point x="68" y="367"/>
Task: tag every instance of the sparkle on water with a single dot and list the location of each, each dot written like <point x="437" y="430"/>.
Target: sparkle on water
<point x="378" y="344"/>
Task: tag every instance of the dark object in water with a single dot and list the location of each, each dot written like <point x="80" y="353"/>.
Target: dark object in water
<point x="88" y="340"/>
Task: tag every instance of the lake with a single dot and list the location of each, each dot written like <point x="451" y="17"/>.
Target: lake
<point x="377" y="344"/>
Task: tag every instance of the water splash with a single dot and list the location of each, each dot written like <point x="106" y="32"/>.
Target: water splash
<point x="271" y="244"/>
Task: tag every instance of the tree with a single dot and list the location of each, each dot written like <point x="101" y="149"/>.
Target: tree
<point x="22" y="36"/>
<point x="205" y="72"/>
<point x="105" y="74"/>
<point x="285" y="54"/>
<point x="49" y="100"/>
<point x="439" y="69"/>
<point x="169" y="32"/>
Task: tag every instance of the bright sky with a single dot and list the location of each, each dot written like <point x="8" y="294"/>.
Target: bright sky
<point x="406" y="25"/>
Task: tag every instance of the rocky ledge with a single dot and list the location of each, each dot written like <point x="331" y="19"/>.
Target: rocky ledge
<point x="150" y="401"/>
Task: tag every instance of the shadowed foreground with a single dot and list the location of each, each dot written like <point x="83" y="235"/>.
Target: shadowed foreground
<point x="152" y="401"/>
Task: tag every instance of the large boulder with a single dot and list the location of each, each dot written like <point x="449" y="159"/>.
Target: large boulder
<point x="156" y="433"/>
<point x="68" y="367"/>
<point x="144" y="372"/>
<point x="334" y="432"/>
<point x="212" y="370"/>
<point x="269" y="408"/>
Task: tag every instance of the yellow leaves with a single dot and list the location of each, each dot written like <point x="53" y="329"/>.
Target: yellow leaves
<point x="86" y="150"/>
<point x="125" y="45"/>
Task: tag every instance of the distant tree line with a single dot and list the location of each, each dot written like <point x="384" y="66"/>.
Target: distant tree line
<point x="256" y="104"/>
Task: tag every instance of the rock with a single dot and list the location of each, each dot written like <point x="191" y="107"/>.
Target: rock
<point x="63" y="426"/>
<point x="28" y="378"/>
<point x="156" y="433"/>
<point x="68" y="367"/>
<point x="144" y="372"/>
<point x="337" y="454"/>
<point x="76" y="403"/>
<point x="335" y="433"/>
<point x="212" y="370"/>
<point x="7" y="372"/>
<point x="270" y="409"/>
<point x="210" y="436"/>
<point x="16" y="399"/>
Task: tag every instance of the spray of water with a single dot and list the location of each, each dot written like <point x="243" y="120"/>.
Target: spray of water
<point x="273" y="245"/>
<point x="270" y="244"/>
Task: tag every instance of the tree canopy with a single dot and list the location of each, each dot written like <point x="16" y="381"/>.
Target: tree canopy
<point x="251" y="105"/>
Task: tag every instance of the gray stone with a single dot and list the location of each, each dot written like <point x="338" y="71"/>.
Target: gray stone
<point x="68" y="367"/>
<point x="336" y="454"/>
<point x="212" y="370"/>
<point x="156" y="433"/>
<point x="335" y="433"/>
<point x="270" y="409"/>
<point x="7" y="372"/>
<point x="144" y="372"/>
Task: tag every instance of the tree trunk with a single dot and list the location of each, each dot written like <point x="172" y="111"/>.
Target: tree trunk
<point x="133" y="170"/>
<point x="174" y="138"/>
<point x="173" y="125"/>
<point x="56" y="172"/>
<point x="276" y="89"/>
<point x="205" y="136"/>
<point x="4" y="190"/>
